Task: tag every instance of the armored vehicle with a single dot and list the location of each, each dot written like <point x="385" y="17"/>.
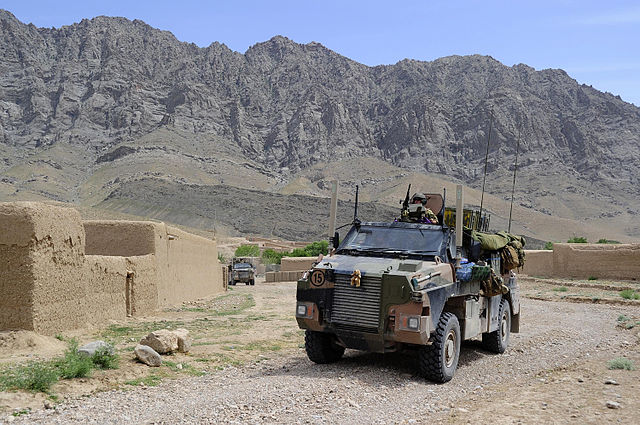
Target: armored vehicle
<point x="404" y="285"/>
<point x="243" y="272"/>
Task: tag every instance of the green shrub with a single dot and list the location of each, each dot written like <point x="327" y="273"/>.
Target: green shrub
<point x="577" y="239"/>
<point x="561" y="289"/>
<point x="607" y="241"/>
<point x="620" y="363"/>
<point x="221" y="258"/>
<point x="548" y="246"/>
<point x="316" y="248"/>
<point x="629" y="294"/>
<point x="33" y="376"/>
<point x="271" y="256"/>
<point x="622" y="318"/>
<point x="103" y="358"/>
<point x="73" y="364"/>
<point x="592" y="278"/>
<point x="248" y="251"/>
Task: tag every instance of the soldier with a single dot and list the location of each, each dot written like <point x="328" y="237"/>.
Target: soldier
<point x="425" y="214"/>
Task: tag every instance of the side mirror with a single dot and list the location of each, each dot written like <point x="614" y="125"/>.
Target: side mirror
<point x="335" y="241"/>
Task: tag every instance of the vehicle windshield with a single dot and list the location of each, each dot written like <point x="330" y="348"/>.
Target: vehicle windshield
<point x="242" y="266"/>
<point x="393" y="239"/>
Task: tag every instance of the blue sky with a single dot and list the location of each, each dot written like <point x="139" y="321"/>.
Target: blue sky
<point x="596" y="42"/>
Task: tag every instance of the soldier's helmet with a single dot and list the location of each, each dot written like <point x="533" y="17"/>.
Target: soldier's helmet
<point x="419" y="198"/>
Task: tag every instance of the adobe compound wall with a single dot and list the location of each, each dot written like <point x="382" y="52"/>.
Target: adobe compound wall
<point x="581" y="261"/>
<point x="58" y="273"/>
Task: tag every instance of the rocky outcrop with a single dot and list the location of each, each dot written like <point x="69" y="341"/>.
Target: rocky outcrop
<point x="100" y="91"/>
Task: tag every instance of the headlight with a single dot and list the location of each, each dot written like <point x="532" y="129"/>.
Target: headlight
<point x="305" y="310"/>
<point x="413" y="323"/>
<point x="410" y="323"/>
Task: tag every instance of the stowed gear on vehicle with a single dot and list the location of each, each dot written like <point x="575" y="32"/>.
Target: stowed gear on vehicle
<point x="397" y="285"/>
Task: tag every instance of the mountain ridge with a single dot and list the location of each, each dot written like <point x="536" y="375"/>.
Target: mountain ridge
<point x="99" y="87"/>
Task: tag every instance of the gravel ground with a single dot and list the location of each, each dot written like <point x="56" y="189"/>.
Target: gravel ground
<point x="362" y="388"/>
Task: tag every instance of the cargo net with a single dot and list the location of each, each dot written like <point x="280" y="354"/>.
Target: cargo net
<point x="497" y="254"/>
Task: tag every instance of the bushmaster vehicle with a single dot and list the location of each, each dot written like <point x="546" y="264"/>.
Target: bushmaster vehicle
<point x="401" y="285"/>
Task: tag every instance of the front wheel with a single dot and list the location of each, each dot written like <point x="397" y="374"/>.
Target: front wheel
<point x="322" y="347"/>
<point x="498" y="340"/>
<point x="253" y="282"/>
<point x="438" y="362"/>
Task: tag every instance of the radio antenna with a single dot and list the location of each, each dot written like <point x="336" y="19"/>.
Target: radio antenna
<point x="515" y="169"/>
<point x="486" y="160"/>
<point x="355" y="209"/>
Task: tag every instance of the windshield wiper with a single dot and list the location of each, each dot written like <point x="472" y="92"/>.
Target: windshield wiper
<point x="374" y="250"/>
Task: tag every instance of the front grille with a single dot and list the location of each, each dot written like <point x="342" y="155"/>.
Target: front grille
<point x="356" y="307"/>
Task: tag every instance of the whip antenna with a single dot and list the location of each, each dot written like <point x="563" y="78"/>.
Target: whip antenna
<point x="515" y="169"/>
<point x="486" y="159"/>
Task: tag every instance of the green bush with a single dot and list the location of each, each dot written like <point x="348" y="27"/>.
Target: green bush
<point x="548" y="246"/>
<point x="248" y="251"/>
<point x="73" y="364"/>
<point x="39" y="376"/>
<point x="316" y="248"/>
<point x="621" y="363"/>
<point x="103" y="358"/>
<point x="577" y="239"/>
<point x="629" y="294"/>
<point x="607" y="241"/>
<point x="592" y="278"/>
<point x="221" y="258"/>
<point x="271" y="256"/>
<point x="561" y="289"/>
<point x="33" y="376"/>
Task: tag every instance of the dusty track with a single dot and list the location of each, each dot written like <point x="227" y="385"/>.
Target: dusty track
<point x="537" y="380"/>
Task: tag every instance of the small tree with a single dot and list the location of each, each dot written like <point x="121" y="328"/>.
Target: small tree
<point x="247" y="251"/>
<point x="549" y="246"/>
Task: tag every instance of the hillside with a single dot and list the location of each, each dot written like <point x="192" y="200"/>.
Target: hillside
<point x="90" y="110"/>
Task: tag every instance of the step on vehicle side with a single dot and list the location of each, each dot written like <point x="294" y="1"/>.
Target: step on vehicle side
<point x="392" y="286"/>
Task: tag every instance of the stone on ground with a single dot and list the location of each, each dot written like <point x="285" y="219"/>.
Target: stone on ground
<point x="148" y="355"/>
<point x="91" y="348"/>
<point x="162" y="341"/>
<point x="184" y="340"/>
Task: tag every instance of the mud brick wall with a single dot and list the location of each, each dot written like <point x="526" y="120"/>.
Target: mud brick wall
<point x="188" y="267"/>
<point x="581" y="261"/>
<point x="58" y="273"/>
<point x="289" y="264"/>
<point x="47" y="283"/>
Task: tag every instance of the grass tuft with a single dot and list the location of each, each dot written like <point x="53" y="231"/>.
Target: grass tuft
<point x="629" y="294"/>
<point x="39" y="376"/>
<point x="620" y="363"/>
<point x="561" y="289"/>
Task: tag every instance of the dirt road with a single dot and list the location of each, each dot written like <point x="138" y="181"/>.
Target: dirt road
<point x="554" y="372"/>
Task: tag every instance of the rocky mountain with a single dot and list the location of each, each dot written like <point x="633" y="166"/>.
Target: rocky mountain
<point x="82" y="103"/>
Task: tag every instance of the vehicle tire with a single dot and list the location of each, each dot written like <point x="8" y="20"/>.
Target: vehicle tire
<point x="253" y="282"/>
<point x="498" y="340"/>
<point x="322" y="347"/>
<point x="232" y="283"/>
<point x="438" y="362"/>
<point x="247" y="283"/>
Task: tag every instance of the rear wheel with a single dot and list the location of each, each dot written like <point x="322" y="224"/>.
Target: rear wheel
<point x="438" y="362"/>
<point x="498" y="340"/>
<point x="253" y="282"/>
<point x="322" y="347"/>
